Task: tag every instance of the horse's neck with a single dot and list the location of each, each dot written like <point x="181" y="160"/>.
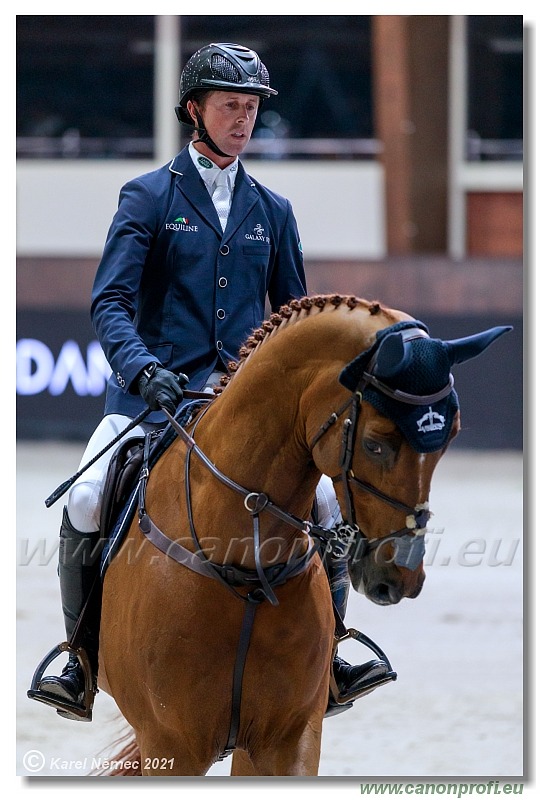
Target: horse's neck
<point x="256" y="431"/>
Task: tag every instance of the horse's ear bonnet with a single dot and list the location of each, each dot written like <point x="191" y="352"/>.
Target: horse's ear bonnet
<point x="406" y="376"/>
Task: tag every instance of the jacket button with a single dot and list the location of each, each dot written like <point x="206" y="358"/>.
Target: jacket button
<point x="223" y="282"/>
<point x="220" y="314"/>
<point x="219" y="344"/>
<point x="225" y="250"/>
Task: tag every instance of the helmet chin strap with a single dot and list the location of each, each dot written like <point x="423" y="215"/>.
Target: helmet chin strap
<point x="204" y="138"/>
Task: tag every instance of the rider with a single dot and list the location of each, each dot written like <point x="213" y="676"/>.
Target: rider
<point x="182" y="282"/>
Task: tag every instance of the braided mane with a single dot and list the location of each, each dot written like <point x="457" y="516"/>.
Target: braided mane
<point x="286" y="316"/>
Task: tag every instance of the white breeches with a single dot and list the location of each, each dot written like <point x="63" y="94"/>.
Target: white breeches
<point x="328" y="510"/>
<point x="86" y="494"/>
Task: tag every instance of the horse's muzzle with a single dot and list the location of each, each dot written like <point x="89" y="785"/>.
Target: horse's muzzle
<point x="387" y="585"/>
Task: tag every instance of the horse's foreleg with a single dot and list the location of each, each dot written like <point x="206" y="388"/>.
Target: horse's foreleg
<point x="242" y="764"/>
<point x="293" y="755"/>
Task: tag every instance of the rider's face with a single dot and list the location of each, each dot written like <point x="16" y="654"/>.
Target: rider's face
<point x="229" y="118"/>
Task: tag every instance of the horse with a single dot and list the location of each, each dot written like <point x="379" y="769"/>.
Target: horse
<point x="311" y="394"/>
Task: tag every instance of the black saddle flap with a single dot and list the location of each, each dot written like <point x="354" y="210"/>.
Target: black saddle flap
<point x="122" y="475"/>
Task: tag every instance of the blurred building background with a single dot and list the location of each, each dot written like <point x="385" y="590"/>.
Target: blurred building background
<point x="398" y="139"/>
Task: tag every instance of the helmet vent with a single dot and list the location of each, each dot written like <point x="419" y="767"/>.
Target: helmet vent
<point x="222" y="68"/>
<point x="264" y="76"/>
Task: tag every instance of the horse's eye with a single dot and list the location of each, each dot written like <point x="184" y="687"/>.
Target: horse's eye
<point x="372" y="447"/>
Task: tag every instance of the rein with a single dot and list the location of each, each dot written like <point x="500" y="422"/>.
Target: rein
<point x="254" y="503"/>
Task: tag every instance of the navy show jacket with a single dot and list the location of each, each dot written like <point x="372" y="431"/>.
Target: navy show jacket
<point x="173" y="287"/>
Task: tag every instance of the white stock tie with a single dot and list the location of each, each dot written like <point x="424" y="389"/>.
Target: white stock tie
<point x="221" y="198"/>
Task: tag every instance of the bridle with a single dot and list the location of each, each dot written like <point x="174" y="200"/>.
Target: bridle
<point x="338" y="542"/>
<point x="409" y="541"/>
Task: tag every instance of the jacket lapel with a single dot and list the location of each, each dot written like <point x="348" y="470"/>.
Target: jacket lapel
<point x="245" y="196"/>
<point x="192" y="186"/>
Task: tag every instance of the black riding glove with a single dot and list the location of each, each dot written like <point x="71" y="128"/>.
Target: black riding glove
<point x="161" y="388"/>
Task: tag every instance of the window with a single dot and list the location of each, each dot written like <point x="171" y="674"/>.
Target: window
<point x="495" y="88"/>
<point x="85" y="86"/>
<point x="321" y="67"/>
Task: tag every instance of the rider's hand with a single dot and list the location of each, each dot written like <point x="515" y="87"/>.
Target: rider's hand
<point x="161" y="388"/>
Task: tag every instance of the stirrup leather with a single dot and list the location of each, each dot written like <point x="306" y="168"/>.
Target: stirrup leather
<point x="372" y="683"/>
<point x="82" y="710"/>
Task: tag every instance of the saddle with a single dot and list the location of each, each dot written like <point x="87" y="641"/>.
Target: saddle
<point x="122" y="477"/>
<point x="125" y="465"/>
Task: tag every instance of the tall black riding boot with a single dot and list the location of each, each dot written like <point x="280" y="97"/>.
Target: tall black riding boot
<point x="78" y="567"/>
<point x="349" y="679"/>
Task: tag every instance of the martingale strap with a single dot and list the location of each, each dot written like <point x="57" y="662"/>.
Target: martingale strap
<point x="238" y="675"/>
<point x="263" y="579"/>
<point x="227" y="574"/>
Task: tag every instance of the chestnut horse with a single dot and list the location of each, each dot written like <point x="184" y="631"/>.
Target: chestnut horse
<point x="170" y="636"/>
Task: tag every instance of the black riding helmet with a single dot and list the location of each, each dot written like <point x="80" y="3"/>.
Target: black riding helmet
<point x="222" y="67"/>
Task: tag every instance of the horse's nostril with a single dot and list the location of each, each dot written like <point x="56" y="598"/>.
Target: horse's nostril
<point x="382" y="592"/>
<point x="385" y="594"/>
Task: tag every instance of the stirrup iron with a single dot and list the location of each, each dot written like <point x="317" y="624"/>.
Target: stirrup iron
<point x="373" y="683"/>
<point x="81" y="710"/>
